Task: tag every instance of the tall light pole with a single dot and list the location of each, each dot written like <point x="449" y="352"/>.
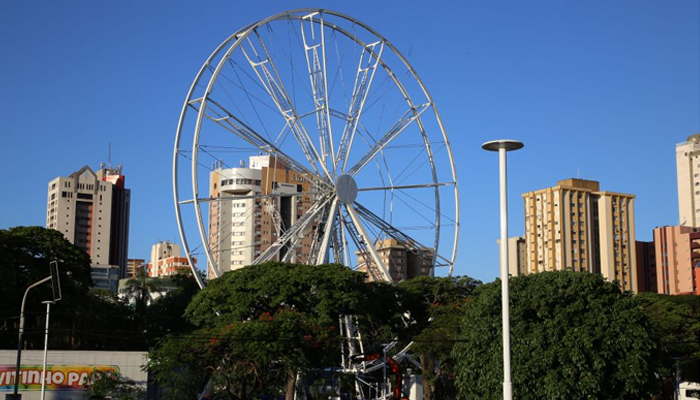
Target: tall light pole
<point x="46" y="347"/>
<point x="502" y="146"/>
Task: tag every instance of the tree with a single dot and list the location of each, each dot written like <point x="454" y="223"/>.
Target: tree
<point x="259" y="328"/>
<point x="573" y="335"/>
<point x="111" y="385"/>
<point x="435" y="306"/>
<point x="675" y="325"/>
<point x="25" y="253"/>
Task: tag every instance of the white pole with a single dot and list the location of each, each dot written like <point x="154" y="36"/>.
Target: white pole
<point x="46" y="346"/>
<point x="503" y="146"/>
<point x="507" y="385"/>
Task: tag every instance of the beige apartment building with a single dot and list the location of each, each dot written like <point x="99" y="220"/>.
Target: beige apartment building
<point x="91" y="209"/>
<point x="576" y="226"/>
<point x="688" y="175"/>
<point x="167" y="260"/>
<point x="244" y="223"/>
<point x="677" y="250"/>
<point x="403" y="263"/>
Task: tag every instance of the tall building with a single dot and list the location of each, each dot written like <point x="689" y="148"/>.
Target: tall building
<point x="517" y="255"/>
<point x="166" y="260"/>
<point x="241" y="227"/>
<point x="575" y="226"/>
<point x="646" y="267"/>
<point x="677" y="259"/>
<point x="92" y="211"/>
<point x="688" y="174"/>
<point x="403" y="263"/>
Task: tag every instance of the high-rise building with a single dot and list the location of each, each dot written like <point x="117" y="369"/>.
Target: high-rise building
<point x="575" y="226"/>
<point x="517" y="255"/>
<point x="646" y="267"/>
<point x="677" y="251"/>
<point x="403" y="263"/>
<point x="244" y="221"/>
<point x="92" y="211"/>
<point x="688" y="174"/>
<point x="166" y="260"/>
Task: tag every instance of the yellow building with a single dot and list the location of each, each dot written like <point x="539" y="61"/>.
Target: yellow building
<point x="575" y="226"/>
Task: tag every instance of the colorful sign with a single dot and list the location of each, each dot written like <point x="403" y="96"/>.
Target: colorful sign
<point x="58" y="377"/>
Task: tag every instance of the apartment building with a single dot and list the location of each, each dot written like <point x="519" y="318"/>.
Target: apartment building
<point x="254" y="205"/>
<point x="91" y="209"/>
<point x="677" y="251"/>
<point x="688" y="175"/>
<point x="166" y="260"/>
<point x="576" y="226"/>
<point x="403" y="262"/>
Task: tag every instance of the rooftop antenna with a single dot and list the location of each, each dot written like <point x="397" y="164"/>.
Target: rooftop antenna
<point x="578" y="172"/>
<point x="109" y="156"/>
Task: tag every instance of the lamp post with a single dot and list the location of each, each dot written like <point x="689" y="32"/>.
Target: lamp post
<point x="56" y="289"/>
<point x="46" y="347"/>
<point x="502" y="146"/>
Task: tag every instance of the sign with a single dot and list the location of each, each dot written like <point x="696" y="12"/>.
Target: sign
<point x="58" y="377"/>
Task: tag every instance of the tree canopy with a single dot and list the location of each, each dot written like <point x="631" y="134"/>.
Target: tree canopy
<point x="573" y="335"/>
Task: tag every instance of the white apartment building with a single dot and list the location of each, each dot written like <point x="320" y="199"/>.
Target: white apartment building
<point x="688" y="174"/>
<point x="92" y="211"/>
<point x="244" y="222"/>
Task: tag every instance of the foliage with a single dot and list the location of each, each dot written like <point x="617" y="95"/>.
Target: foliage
<point x="111" y="385"/>
<point x="573" y="334"/>
<point x="25" y="253"/>
<point x="435" y="307"/>
<point x="258" y="327"/>
<point x="675" y="323"/>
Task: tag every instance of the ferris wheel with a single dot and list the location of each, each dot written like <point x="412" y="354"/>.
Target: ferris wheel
<point x="307" y="137"/>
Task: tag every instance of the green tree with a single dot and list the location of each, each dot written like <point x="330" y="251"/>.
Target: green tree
<point x="259" y="327"/>
<point x="435" y="307"/>
<point x="25" y="253"/>
<point x="112" y="385"/>
<point x="573" y="336"/>
<point x="139" y="290"/>
<point x="675" y="324"/>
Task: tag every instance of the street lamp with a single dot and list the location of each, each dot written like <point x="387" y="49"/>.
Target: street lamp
<point x="46" y="347"/>
<point x="502" y="146"/>
<point x="56" y="288"/>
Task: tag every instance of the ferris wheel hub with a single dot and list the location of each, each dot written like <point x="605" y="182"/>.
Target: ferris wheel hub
<point x="346" y="189"/>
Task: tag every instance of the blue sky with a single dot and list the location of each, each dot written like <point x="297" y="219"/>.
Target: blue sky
<point x="597" y="89"/>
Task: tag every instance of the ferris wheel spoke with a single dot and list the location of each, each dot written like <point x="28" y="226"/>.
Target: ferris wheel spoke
<point x="404" y="187"/>
<point x="315" y="51"/>
<point x="254" y="196"/>
<point x="381" y="269"/>
<point x="319" y="247"/>
<point x="267" y="72"/>
<point x="215" y="112"/>
<point x="406" y="119"/>
<point x="410" y="243"/>
<point x="296" y="229"/>
<point x="369" y="59"/>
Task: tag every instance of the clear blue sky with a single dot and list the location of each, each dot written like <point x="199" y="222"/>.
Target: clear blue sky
<point x="598" y="89"/>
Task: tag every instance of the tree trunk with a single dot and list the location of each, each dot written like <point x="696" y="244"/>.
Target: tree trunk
<point x="291" y="384"/>
<point x="427" y="364"/>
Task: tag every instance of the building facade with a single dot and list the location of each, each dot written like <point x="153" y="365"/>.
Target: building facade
<point x="646" y="267"/>
<point x="253" y="206"/>
<point x="688" y="174"/>
<point x="91" y="209"/>
<point x="677" y="251"/>
<point x="133" y="265"/>
<point x="517" y="255"/>
<point x="403" y="263"/>
<point x="576" y="226"/>
<point x="166" y="260"/>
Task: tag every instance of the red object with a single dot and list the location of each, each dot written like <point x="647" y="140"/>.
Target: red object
<point x="395" y="369"/>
